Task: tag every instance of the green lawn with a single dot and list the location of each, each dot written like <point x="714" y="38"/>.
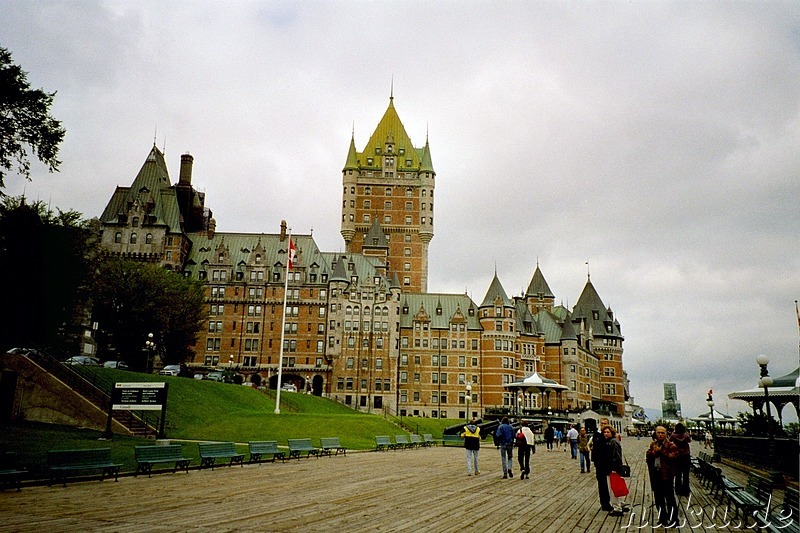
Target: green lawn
<point x="206" y="410"/>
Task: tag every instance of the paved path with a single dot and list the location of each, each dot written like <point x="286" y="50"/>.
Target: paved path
<point x="413" y="490"/>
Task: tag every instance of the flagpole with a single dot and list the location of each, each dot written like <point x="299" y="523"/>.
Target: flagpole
<point x="283" y="325"/>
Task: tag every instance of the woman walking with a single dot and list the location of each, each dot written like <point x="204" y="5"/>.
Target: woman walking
<point x="614" y="454"/>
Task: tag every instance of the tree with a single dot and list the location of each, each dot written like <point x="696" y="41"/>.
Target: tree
<point x="132" y="300"/>
<point x="46" y="259"/>
<point x="25" y="121"/>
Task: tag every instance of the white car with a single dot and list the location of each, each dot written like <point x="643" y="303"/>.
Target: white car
<point x="120" y="365"/>
<point x="84" y="360"/>
<point x="170" y="370"/>
<point x="289" y="387"/>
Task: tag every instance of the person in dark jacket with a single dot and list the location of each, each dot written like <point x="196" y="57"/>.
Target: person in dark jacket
<point x="602" y="466"/>
<point x="661" y="457"/>
<point x="681" y="439"/>
<point x="472" y="444"/>
<point x="505" y="441"/>
<point x="613" y="452"/>
<point x="549" y="435"/>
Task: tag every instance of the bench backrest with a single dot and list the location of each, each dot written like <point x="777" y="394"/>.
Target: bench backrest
<point x="263" y="446"/>
<point x="401" y="439"/>
<point x="415" y="439"/>
<point x="759" y="487"/>
<point x="158" y="453"/>
<point x="330" y="442"/>
<point x="383" y="440"/>
<point x="208" y="449"/>
<point x="790" y="503"/>
<point x="427" y="437"/>
<point x="77" y="458"/>
<point x="300" y="444"/>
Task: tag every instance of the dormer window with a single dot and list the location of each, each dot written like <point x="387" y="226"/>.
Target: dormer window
<point x="377" y="150"/>
<point x="135" y="222"/>
<point x="258" y="258"/>
<point x="596" y="315"/>
<point x="370" y="161"/>
<point x="221" y="258"/>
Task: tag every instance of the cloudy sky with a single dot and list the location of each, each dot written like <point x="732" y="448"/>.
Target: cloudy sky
<point x="657" y="141"/>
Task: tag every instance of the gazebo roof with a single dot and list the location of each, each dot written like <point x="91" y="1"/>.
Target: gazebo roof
<point x="718" y="417"/>
<point x="535" y="381"/>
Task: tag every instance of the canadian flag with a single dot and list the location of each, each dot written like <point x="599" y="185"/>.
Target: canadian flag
<point x="292" y="253"/>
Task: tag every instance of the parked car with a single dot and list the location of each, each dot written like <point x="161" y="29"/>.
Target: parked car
<point x="84" y="360"/>
<point x="289" y="387"/>
<point x="215" y="376"/>
<point x="23" y="351"/>
<point x="120" y="365"/>
<point x="170" y="370"/>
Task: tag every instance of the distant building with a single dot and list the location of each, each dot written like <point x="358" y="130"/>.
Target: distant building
<point x="671" y="407"/>
<point x="360" y="326"/>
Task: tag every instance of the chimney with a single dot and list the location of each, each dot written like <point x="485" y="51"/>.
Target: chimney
<point x="212" y="227"/>
<point x="186" y="169"/>
<point x="283" y="230"/>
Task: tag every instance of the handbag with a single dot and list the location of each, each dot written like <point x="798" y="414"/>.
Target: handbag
<point x="618" y="486"/>
<point x="624" y="470"/>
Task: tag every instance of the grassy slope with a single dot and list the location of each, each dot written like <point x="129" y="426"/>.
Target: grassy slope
<point x="205" y="410"/>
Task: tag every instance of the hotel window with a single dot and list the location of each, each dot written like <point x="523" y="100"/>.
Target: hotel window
<point x="387" y="219"/>
<point x="133" y="238"/>
<point x="148" y="239"/>
<point x="408" y="223"/>
<point x="406" y="281"/>
<point x="387" y="205"/>
<point x="367" y="190"/>
<point x="118" y="237"/>
<point x="388" y="191"/>
<point x="367" y="204"/>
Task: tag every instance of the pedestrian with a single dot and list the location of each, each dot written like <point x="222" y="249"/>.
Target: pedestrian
<point x="661" y="457"/>
<point x="505" y="442"/>
<point x="599" y="456"/>
<point x="572" y="436"/>
<point x="557" y="436"/>
<point x="681" y="438"/>
<point x="709" y="440"/>
<point x="613" y="452"/>
<point x="549" y="435"/>
<point x="526" y="445"/>
<point x="472" y="445"/>
<point x="583" y="450"/>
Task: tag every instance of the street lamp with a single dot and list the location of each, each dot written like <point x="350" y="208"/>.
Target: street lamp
<point x="151" y="346"/>
<point x="308" y="384"/>
<point x="710" y="403"/>
<point x="520" y="404"/>
<point x="766" y="381"/>
<point x="468" y="397"/>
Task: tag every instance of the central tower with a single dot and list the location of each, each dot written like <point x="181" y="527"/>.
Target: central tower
<point x="390" y="185"/>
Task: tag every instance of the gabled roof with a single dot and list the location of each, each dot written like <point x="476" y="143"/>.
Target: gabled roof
<point x="375" y="238"/>
<point x="453" y="307"/>
<point x="496" y="290"/>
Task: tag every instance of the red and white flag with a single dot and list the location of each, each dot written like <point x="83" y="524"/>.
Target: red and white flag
<point x="292" y="253"/>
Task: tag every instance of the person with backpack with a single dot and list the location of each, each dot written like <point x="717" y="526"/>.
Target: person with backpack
<point x="472" y="445"/>
<point x="526" y="445"/>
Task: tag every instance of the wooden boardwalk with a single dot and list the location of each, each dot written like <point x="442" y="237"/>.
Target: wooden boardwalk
<point x="410" y="490"/>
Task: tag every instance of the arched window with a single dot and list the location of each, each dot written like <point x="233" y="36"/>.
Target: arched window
<point x="133" y="238"/>
<point x="148" y="239"/>
<point x="118" y="237"/>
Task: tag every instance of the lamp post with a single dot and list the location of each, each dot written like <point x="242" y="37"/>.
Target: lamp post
<point x="520" y="404"/>
<point x="308" y="384"/>
<point x="766" y="381"/>
<point x="468" y="397"/>
<point x="151" y="346"/>
<point x="710" y="403"/>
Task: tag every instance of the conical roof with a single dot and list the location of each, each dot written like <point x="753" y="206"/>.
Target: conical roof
<point x="538" y="285"/>
<point x="496" y="290"/>
<point x="352" y="156"/>
<point x="390" y="129"/>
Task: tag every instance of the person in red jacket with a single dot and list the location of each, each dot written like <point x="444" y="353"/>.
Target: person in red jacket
<point x="661" y="458"/>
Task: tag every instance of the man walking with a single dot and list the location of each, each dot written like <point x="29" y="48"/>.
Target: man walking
<point x="572" y="436"/>
<point x="525" y="446"/>
<point x="472" y="444"/>
<point x="661" y="457"/>
<point x="505" y="442"/>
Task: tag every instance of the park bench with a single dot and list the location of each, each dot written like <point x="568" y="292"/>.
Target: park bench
<point x="9" y="473"/>
<point x="147" y="456"/>
<point x="62" y="462"/>
<point x="401" y="441"/>
<point x="265" y="447"/>
<point x="211" y="451"/>
<point x="783" y="518"/>
<point x="751" y="498"/>
<point x="428" y="439"/>
<point x="331" y="446"/>
<point x="298" y="446"/>
<point x="454" y="440"/>
<point x="416" y="441"/>
<point x="383" y="443"/>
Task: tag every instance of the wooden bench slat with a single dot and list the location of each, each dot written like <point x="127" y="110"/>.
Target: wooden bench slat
<point x="265" y="447"/>
<point x="298" y="446"/>
<point x="331" y="446"/>
<point x="60" y="462"/>
<point x="147" y="456"/>
<point x="211" y="451"/>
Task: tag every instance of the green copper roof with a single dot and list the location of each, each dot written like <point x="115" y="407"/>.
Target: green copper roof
<point x="496" y="289"/>
<point x="538" y="285"/>
<point x="440" y="308"/>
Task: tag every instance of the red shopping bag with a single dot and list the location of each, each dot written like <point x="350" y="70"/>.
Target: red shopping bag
<point x="618" y="486"/>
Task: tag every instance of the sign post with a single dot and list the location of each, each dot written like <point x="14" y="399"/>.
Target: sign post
<point x="145" y="396"/>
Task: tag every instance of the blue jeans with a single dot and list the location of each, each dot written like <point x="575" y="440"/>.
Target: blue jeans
<point x="472" y="461"/>
<point x="585" y="459"/>
<point x="506" y="456"/>
<point x="573" y="447"/>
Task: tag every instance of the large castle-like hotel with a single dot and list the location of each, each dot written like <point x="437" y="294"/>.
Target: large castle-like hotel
<point x="361" y="326"/>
